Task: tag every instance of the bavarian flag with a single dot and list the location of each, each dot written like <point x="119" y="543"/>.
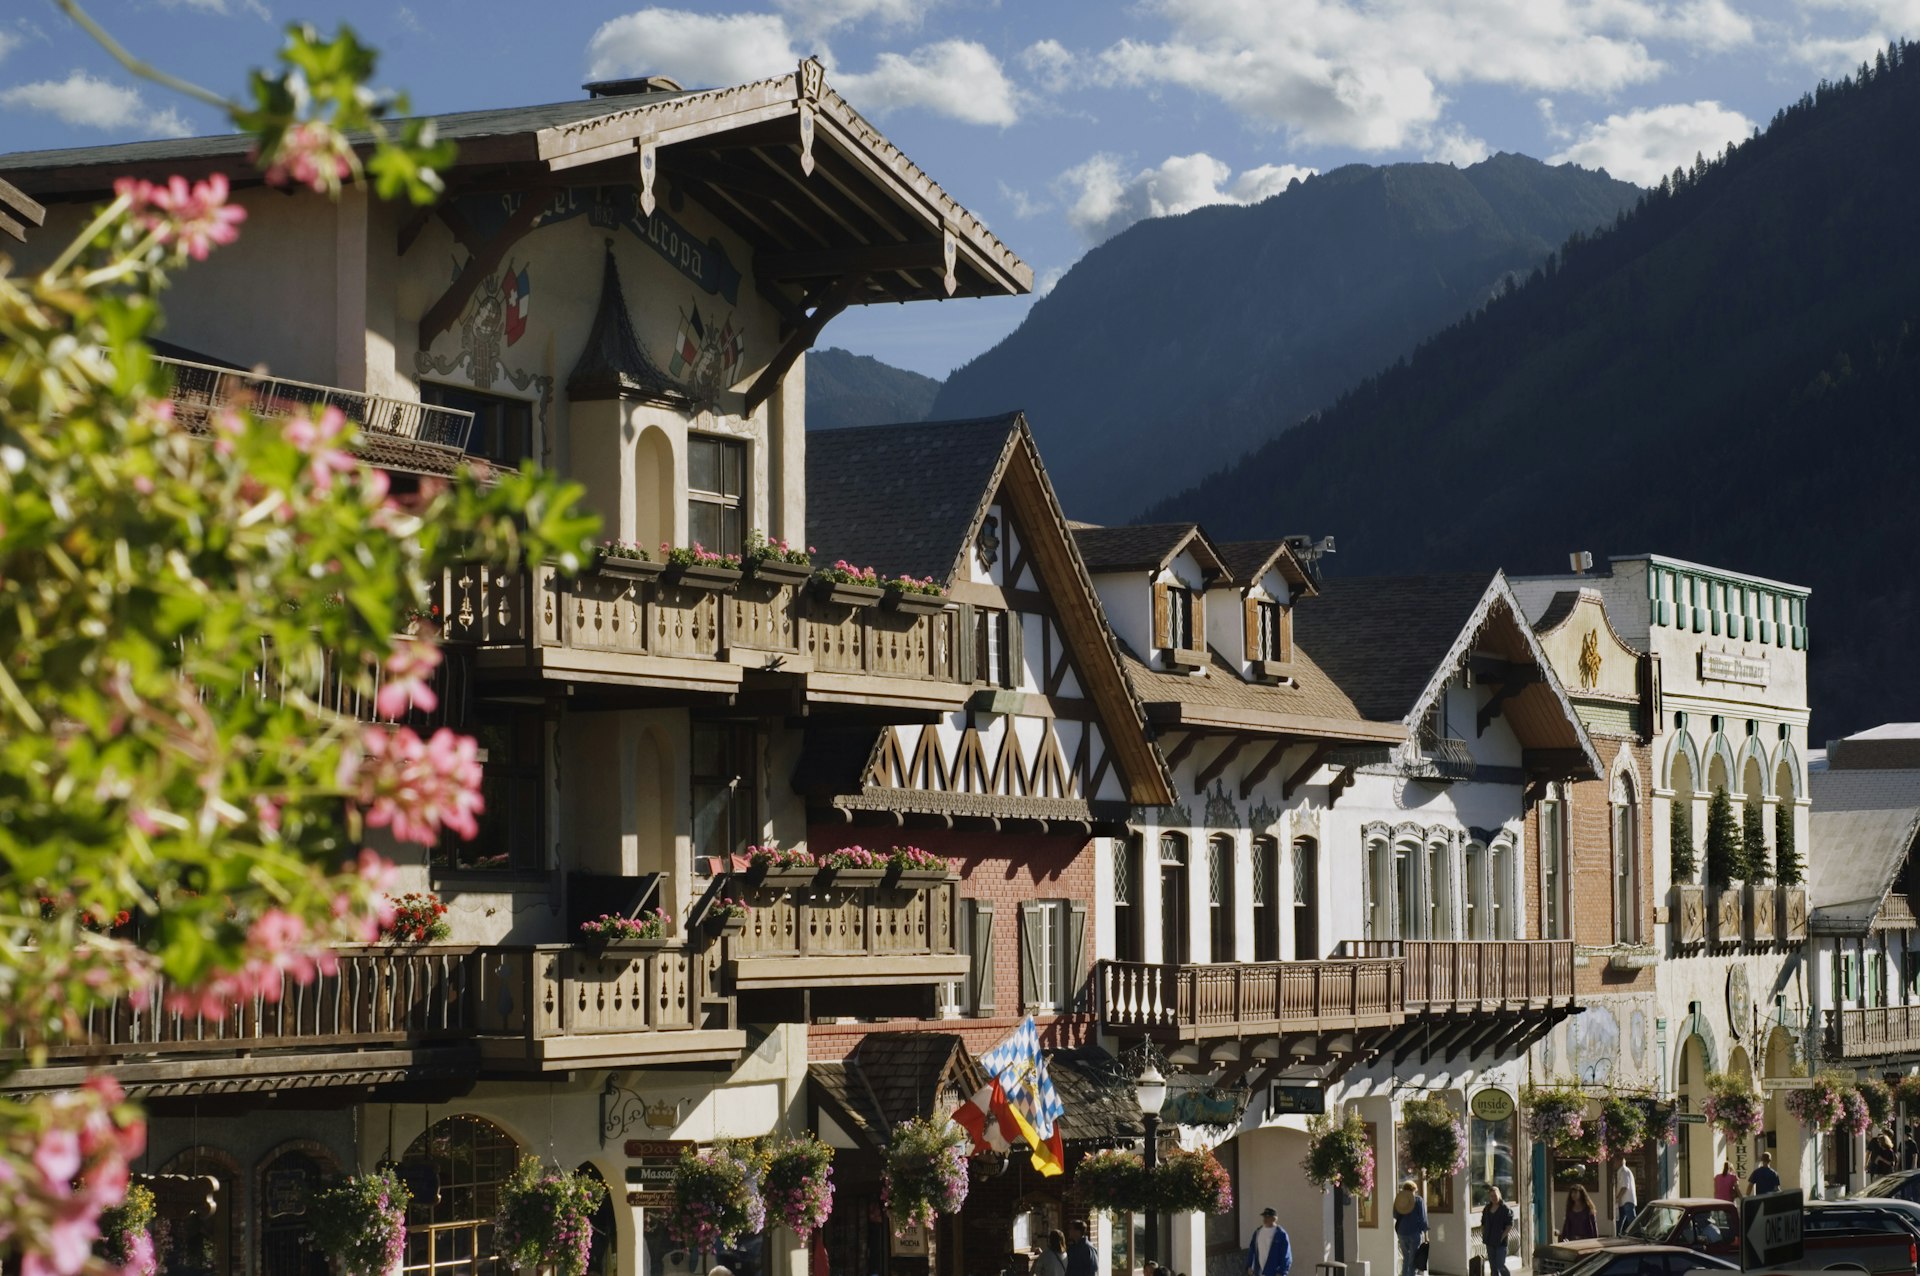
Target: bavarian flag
<point x="1019" y="1070"/>
<point x="988" y="1119"/>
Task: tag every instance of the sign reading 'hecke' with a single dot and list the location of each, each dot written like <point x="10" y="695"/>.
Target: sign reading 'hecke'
<point x="1724" y="666"/>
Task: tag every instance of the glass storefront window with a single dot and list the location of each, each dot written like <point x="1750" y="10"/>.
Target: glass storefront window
<point x="1490" y="1160"/>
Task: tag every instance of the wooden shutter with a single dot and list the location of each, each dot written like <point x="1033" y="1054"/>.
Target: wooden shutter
<point x="1197" y="640"/>
<point x="1031" y="954"/>
<point x="1250" y="628"/>
<point x="1283" y="632"/>
<point x="1160" y="636"/>
<point x="966" y="644"/>
<point x="1073" y="955"/>
<point x="1016" y="652"/>
<point x="980" y="981"/>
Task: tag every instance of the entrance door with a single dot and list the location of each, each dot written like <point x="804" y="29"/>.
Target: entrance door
<point x="1175" y="932"/>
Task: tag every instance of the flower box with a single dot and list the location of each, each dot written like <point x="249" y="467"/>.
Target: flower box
<point x="604" y="945"/>
<point x="916" y="878"/>
<point x="631" y="568"/>
<point x="769" y="875"/>
<point x="774" y="571"/>
<point x="910" y="603"/>
<point x="718" y="923"/>
<point x="714" y="580"/>
<point x="851" y="878"/>
<point x="846" y="595"/>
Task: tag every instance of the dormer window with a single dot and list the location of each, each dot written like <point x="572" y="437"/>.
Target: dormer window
<point x="1269" y="632"/>
<point x="1180" y="619"/>
<point x="996" y="639"/>
<point x="1177" y="624"/>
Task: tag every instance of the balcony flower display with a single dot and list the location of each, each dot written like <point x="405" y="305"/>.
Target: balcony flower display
<point x="1878" y="1097"/>
<point x="798" y="1184"/>
<point x="1338" y="1154"/>
<point x="913" y="595"/>
<point x="913" y="585"/>
<point x="716" y="1199"/>
<point x="854" y="857"/>
<point x="1556" y="1113"/>
<point x="1112" y="1181"/>
<point x="546" y="1218"/>
<point x="1733" y="1108"/>
<point x="925" y="1173"/>
<point x="1858" y="1118"/>
<point x="1623" y="1126"/>
<point x="697" y="555"/>
<point x="621" y="551"/>
<point x="361" y="1222"/>
<point x="613" y="928"/>
<point x="774" y="856"/>
<point x="1436" y="1138"/>
<point x="845" y="573"/>
<point x="1191" y="1182"/>
<point x="763" y="549"/>
<point x="847" y="585"/>
<point x="418" y="918"/>
<point x="126" y="1234"/>
<point x="913" y="860"/>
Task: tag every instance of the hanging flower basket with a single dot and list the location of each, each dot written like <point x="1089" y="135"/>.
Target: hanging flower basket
<point x="126" y="1233"/>
<point x="925" y="1174"/>
<point x="1191" y="1182"/>
<point x="1338" y="1154"/>
<point x="1733" y="1109"/>
<point x="798" y="1184"/>
<point x="361" y="1223"/>
<point x="1858" y="1120"/>
<point x="1879" y="1099"/>
<point x="1436" y="1138"/>
<point x="1908" y="1092"/>
<point x="1556" y="1113"/>
<point x="715" y="1199"/>
<point x="1663" y="1121"/>
<point x="1623" y="1126"/>
<point x="1112" y="1181"/>
<point x="1818" y="1105"/>
<point x="546" y="1218"/>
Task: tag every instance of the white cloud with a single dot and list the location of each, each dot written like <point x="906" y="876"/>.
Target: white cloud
<point x="409" y="21"/>
<point x="1642" y="146"/>
<point x="87" y="102"/>
<point x="955" y="78"/>
<point x="697" y="49"/>
<point x="825" y="15"/>
<point x="1049" y="65"/>
<point x="1045" y="282"/>
<point x="1105" y="200"/>
<point x="8" y="43"/>
<point x="1900" y="16"/>
<point x="221" y="7"/>
<point x="1375" y="76"/>
<point x="1455" y="146"/>
<point x="1023" y="204"/>
<point x="1839" y="56"/>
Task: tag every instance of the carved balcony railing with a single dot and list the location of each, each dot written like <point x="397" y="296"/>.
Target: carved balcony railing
<point x="1469" y="976"/>
<point x="615" y="621"/>
<point x="1232" y="999"/>
<point x="202" y="389"/>
<point x="862" y="935"/>
<point x="1688" y="929"/>
<point x="526" y="1007"/>
<point x="1873" y="1032"/>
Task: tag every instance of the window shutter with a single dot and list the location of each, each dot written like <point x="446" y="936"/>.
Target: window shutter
<point x="1283" y="633"/>
<point x="1160" y="615"/>
<point x="980" y="949"/>
<point x="966" y="644"/>
<point x="1197" y="640"/>
<point x="1016" y="652"/>
<point x="1030" y="954"/>
<point x="1250" y="628"/>
<point x="1073" y="953"/>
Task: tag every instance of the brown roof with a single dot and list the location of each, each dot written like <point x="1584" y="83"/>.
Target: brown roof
<point x="1315" y="704"/>
<point x="1382" y="638"/>
<point x="1248" y="561"/>
<point x="1144" y="547"/>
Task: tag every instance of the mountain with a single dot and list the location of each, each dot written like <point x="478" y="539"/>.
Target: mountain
<point x="856" y="389"/>
<point x="1183" y="341"/>
<point x="1731" y="374"/>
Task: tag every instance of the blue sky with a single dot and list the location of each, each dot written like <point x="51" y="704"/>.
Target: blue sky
<point x="1059" y="123"/>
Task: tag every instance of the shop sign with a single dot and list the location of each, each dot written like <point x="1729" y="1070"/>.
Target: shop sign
<point x="1724" y="666"/>
<point x="654" y="1163"/>
<point x="1770" y="1084"/>
<point x="1491" y="1105"/>
<point x="1692" y="1118"/>
<point x="651" y="1200"/>
<point x="1296" y="1100"/>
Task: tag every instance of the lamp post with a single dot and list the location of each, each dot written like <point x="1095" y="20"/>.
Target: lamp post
<point x="1151" y="1090"/>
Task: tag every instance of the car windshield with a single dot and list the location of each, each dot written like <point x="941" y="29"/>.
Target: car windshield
<point x="1885" y="1185"/>
<point x="1656" y="1222"/>
<point x="1589" y="1264"/>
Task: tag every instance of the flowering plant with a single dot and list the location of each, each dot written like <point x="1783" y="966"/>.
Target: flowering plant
<point x="844" y="573"/>
<point x="1733" y="1108"/>
<point x="651" y="924"/>
<point x="912" y="859"/>
<point x="697" y="555"/>
<point x="925" y="1173"/>
<point x="715" y="1199"/>
<point x="728" y="909"/>
<point x="1878" y="1097"/>
<point x="771" y="856"/>
<point x="1436" y="1138"/>
<point x="1663" y="1121"/>
<point x="1858" y="1118"/>
<point x="1191" y="1181"/>
<point x="761" y="548"/>
<point x="1907" y="1090"/>
<point x="417" y="919"/>
<point x="623" y="549"/>
<point x="851" y="857"/>
<point x="913" y="585"/>
<point x="798" y="1184"/>
<point x="1112" y="1180"/>
<point x="1818" y="1104"/>
<point x="361" y="1222"/>
<point x="1338" y="1154"/>
<point x="1623" y="1125"/>
<point x="1555" y="1112"/>
<point x="126" y="1234"/>
<point x="546" y="1218"/>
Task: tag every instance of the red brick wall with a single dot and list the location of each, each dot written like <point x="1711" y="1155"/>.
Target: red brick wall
<point x="1006" y="869"/>
<point x="1590" y="828"/>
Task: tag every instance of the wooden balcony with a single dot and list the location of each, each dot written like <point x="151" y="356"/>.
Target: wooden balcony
<point x="1232" y="999"/>
<point x="859" y="937"/>
<point x="1470" y="977"/>
<point x="1878" y="1032"/>
<point x="390" y="1014"/>
<point x="638" y="626"/>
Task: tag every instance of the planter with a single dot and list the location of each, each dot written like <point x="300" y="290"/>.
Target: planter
<point x="1763" y="910"/>
<point x="1793" y="914"/>
<point x="757" y="875"/>
<point x="713" y="580"/>
<point x="715" y="924"/>
<point x="1690" y="915"/>
<point x="776" y="572"/>
<point x="630" y="568"/>
<point x="1729" y="915"/>
<point x="850" y="878"/>
<point x="912" y="604"/>
<point x="917" y="879"/>
<point x="832" y="591"/>
<point x="601" y="946"/>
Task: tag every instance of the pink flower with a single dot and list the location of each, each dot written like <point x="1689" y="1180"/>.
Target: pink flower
<point x="311" y="155"/>
<point x="417" y="787"/>
<point x="58" y="1159"/>
<point x="410" y="673"/>
<point x="194" y="217"/>
<point x="318" y="435"/>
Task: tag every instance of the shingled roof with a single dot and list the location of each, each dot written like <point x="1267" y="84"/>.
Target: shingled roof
<point x="1864" y="823"/>
<point x="1381" y="638"/>
<point x="1314" y="705"/>
<point x="1247" y="561"/>
<point x="1142" y="547"/>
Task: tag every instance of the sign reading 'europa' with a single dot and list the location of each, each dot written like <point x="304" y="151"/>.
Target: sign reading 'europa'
<point x="1724" y="666"/>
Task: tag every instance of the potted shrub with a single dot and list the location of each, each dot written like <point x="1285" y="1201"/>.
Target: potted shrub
<point x="715" y="1199"/>
<point x="1338" y="1154"/>
<point x="1733" y="1108"/>
<point x="697" y="567"/>
<point x="126" y="1234"/>
<point x="612" y="931"/>
<point x="1191" y="1182"/>
<point x="1112" y="1181"/>
<point x="925" y="1172"/>
<point x="546" y="1218"/>
<point x="914" y="595"/>
<point x="847" y="585"/>
<point x="1556" y="1113"/>
<point x="775" y="562"/>
<point x="624" y="558"/>
<point x="360" y="1223"/>
<point x="798" y="1184"/>
<point x="910" y="866"/>
<point x="418" y="918"/>
<point x="1436" y="1138"/>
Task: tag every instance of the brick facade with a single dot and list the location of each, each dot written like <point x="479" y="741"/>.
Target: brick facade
<point x="1590" y="858"/>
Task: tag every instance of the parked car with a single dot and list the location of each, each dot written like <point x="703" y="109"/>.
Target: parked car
<point x="1863" y="1214"/>
<point x="1901" y="1185"/>
<point x="1647" y="1260"/>
<point x="1711" y="1226"/>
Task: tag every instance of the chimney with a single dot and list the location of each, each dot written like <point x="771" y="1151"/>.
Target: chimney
<point x="1581" y="561"/>
<point x="632" y="85"/>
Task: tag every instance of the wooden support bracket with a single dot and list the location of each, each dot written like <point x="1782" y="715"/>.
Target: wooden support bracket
<point x="1264" y="767"/>
<point x="1218" y="767"/>
<point x="1306" y="770"/>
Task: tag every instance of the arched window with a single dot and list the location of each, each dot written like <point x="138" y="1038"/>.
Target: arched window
<point x="1438" y="913"/>
<point x="1556" y="921"/>
<point x="1174" y="930"/>
<point x="453" y="1233"/>
<point x="287" y="1184"/>
<point x="1406" y="891"/>
<point x="1505" y="922"/>
<point x="1266" y="899"/>
<point x="1306" y="899"/>
<point x="1479" y="892"/>
<point x="1379" y="890"/>
<point x="1626" y="860"/>
<point x="1220" y="897"/>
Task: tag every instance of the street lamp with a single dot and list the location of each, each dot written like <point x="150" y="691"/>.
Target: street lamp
<point x="1151" y="1090"/>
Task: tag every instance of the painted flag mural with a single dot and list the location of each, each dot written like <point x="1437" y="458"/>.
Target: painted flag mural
<point x="686" y="349"/>
<point x="515" y="289"/>
<point x="1018" y="1068"/>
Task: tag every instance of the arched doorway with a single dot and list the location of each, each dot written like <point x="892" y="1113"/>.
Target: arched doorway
<point x="200" y="1196"/>
<point x="605" y="1258"/>
<point x="453" y="1234"/>
<point x="288" y="1178"/>
<point x="1782" y="1135"/>
<point x="1696" y="1168"/>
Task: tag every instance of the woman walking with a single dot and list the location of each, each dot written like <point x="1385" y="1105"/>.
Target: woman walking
<point x="1409" y="1224"/>
<point x="1053" y="1259"/>
<point x="1496" y="1230"/>
<point x="1580" y="1224"/>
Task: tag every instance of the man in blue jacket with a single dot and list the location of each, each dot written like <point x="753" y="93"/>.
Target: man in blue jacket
<point x="1269" y="1254"/>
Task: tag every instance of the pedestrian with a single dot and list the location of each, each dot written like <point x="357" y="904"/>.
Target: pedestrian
<point x="1910" y="1151"/>
<point x="1496" y="1230"/>
<point x="1409" y="1224"/>
<point x="1880" y="1155"/>
<point x="1081" y="1260"/>
<point x="1764" y="1178"/>
<point x="1726" y="1184"/>
<point x="1626" y="1197"/>
<point x="1579" y="1224"/>
<point x="1053" y="1256"/>
<point x="1270" y="1253"/>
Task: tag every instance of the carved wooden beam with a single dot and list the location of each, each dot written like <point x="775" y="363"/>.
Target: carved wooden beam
<point x="800" y="341"/>
<point x="1218" y="767"/>
<point x="1264" y="767"/>
<point x="1495" y="705"/>
<point x="1179" y="752"/>
<point x="22" y="207"/>
<point x="1306" y="769"/>
<point x="486" y="258"/>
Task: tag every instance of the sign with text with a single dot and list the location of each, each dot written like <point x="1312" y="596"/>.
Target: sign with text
<point x="1296" y="1100"/>
<point x="1724" y="666"/>
<point x="654" y="1162"/>
<point x="1691" y="1118"/>
<point x="1770" y="1229"/>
